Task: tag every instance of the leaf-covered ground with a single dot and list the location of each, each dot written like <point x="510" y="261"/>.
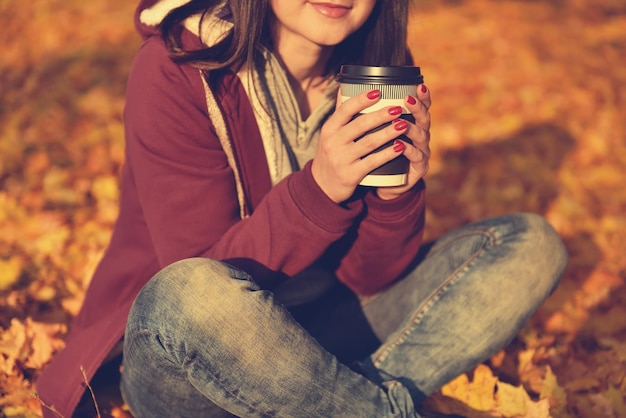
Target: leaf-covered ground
<point x="529" y="115"/>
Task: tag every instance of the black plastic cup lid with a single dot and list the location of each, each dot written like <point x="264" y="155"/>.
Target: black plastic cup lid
<point x="356" y="74"/>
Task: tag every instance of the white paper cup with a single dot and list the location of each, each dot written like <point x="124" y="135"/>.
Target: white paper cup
<point x="394" y="83"/>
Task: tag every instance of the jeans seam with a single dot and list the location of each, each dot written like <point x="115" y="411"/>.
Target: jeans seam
<point x="471" y="231"/>
<point x="365" y="300"/>
<point x="381" y="354"/>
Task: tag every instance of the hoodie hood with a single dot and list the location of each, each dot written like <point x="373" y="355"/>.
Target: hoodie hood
<point x="150" y="13"/>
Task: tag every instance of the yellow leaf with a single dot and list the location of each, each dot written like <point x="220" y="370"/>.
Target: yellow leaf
<point x="105" y="188"/>
<point x="477" y="394"/>
<point x="52" y="242"/>
<point x="44" y="293"/>
<point x="512" y="400"/>
<point x="10" y="271"/>
<point x="106" y="191"/>
<point x="551" y="389"/>
<point x="483" y="388"/>
<point x="45" y="340"/>
<point x="18" y="412"/>
<point x="525" y="360"/>
<point x="13" y="345"/>
<point x="121" y="412"/>
<point x="57" y="187"/>
<point x="457" y="388"/>
<point x="540" y="409"/>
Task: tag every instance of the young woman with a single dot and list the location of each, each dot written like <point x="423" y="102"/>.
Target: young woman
<point x="263" y="280"/>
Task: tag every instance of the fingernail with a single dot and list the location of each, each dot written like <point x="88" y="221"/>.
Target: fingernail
<point x="398" y="146"/>
<point x="411" y="100"/>
<point x="400" y="125"/>
<point x="373" y="94"/>
<point x="396" y="110"/>
<point x="424" y="89"/>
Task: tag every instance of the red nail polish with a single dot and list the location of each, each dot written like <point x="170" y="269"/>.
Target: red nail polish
<point x="411" y="100"/>
<point x="373" y="94"/>
<point x="398" y="146"/>
<point x="396" y="110"/>
<point x="400" y="125"/>
<point x="424" y="89"/>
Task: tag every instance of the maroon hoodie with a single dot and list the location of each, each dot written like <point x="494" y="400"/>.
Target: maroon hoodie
<point x="181" y="198"/>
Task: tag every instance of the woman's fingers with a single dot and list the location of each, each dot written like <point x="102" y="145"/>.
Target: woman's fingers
<point x="365" y="147"/>
<point x="419" y="137"/>
<point x="423" y="94"/>
<point x="345" y="139"/>
<point x="419" y="105"/>
<point x="419" y="133"/>
<point x="418" y="151"/>
<point x="351" y="139"/>
<point x="346" y="110"/>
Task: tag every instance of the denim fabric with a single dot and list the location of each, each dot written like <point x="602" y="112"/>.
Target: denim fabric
<point x="202" y="338"/>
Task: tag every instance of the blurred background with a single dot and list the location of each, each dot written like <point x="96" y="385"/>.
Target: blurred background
<point x="529" y="114"/>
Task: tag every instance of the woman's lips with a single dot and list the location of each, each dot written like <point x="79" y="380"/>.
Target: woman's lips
<point x="331" y="10"/>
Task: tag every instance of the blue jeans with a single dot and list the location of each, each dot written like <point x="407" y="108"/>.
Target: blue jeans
<point x="202" y="338"/>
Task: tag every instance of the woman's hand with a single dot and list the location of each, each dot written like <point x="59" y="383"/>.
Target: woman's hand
<point x="418" y="153"/>
<point x="339" y="166"/>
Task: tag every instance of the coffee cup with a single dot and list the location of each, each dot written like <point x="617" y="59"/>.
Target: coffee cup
<point x="394" y="83"/>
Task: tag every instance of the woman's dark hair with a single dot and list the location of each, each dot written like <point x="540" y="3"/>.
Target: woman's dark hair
<point x="381" y="40"/>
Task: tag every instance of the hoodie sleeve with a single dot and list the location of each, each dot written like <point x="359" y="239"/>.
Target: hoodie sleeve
<point x="187" y="190"/>
<point x="387" y="240"/>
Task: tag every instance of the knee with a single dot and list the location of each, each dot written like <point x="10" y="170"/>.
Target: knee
<point x="546" y="244"/>
<point x="189" y="291"/>
<point x="542" y="256"/>
<point x="197" y="274"/>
